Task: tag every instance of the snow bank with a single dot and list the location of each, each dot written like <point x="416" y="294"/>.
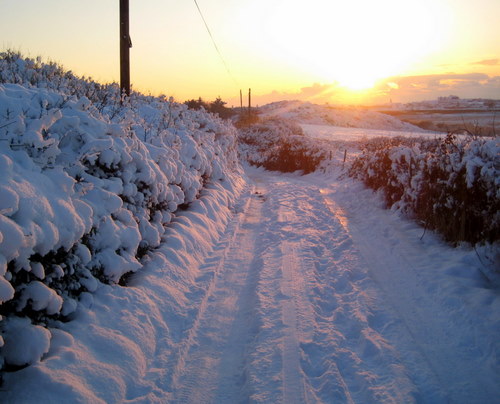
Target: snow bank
<point x="87" y="190"/>
<point x="122" y="343"/>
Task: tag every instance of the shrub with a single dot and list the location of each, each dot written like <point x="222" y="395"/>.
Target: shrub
<point x="278" y="145"/>
<point x="450" y="185"/>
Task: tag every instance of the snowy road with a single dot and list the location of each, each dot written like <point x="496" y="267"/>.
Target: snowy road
<point x="305" y="301"/>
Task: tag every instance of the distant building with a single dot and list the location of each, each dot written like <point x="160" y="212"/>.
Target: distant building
<point x="452" y="101"/>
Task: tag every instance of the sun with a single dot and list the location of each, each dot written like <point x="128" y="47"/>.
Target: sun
<point x="353" y="43"/>
<point x="354" y="79"/>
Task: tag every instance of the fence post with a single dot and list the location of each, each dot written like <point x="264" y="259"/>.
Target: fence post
<point x="249" y="103"/>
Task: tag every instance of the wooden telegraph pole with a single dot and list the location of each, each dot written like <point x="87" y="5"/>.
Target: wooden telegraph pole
<point x="125" y="45"/>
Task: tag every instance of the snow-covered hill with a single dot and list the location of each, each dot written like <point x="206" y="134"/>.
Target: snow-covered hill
<point x="308" y="113"/>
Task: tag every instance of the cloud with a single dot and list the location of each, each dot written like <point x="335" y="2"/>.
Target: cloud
<point x="395" y="89"/>
<point x="317" y="90"/>
<point x="317" y="93"/>
<point x="487" y="62"/>
<point x="437" y="80"/>
<point x="416" y="88"/>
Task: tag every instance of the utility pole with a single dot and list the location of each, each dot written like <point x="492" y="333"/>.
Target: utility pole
<point x="241" y="101"/>
<point x="125" y="45"/>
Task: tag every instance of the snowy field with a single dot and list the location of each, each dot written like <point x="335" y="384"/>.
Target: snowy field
<point x="462" y="119"/>
<point x="337" y="133"/>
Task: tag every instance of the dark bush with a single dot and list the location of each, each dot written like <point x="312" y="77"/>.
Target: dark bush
<point x="279" y="145"/>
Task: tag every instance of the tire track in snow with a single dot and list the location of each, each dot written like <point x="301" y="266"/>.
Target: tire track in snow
<point x="210" y="367"/>
<point x="349" y="360"/>
<point x="293" y="385"/>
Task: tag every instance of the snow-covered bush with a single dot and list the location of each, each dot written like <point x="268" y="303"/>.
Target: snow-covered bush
<point x="451" y="185"/>
<point x="279" y="145"/>
<point x="87" y="188"/>
<point x="15" y="69"/>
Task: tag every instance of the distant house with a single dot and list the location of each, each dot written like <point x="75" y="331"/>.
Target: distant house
<point x="452" y="101"/>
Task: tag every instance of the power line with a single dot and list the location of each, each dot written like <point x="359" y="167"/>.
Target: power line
<point x="215" y="44"/>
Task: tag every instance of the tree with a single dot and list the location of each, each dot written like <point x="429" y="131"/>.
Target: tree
<point x="218" y="107"/>
<point x="197" y="104"/>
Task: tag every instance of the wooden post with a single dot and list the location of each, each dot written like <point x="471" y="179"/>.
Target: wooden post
<point x="249" y="102"/>
<point x="241" y="101"/>
<point x="125" y="45"/>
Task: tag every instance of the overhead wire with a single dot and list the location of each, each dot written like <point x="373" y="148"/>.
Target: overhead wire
<point x="215" y="44"/>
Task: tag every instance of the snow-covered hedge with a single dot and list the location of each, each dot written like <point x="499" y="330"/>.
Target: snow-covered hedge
<point x="279" y="145"/>
<point x="86" y="190"/>
<point x="451" y="185"/>
<point x="15" y="69"/>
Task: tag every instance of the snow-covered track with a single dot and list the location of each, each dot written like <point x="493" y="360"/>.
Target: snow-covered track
<point x="287" y="315"/>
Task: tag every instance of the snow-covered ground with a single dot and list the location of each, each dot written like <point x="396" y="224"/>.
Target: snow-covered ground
<point x="338" y="133"/>
<point x="305" y="290"/>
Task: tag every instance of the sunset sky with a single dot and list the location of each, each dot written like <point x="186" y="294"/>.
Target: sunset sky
<point x="351" y="51"/>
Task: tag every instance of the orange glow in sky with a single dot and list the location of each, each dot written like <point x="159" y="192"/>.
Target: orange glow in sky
<point x="317" y="50"/>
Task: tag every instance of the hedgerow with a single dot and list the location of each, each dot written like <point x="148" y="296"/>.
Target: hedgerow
<point x="450" y="185"/>
<point x="89" y="181"/>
